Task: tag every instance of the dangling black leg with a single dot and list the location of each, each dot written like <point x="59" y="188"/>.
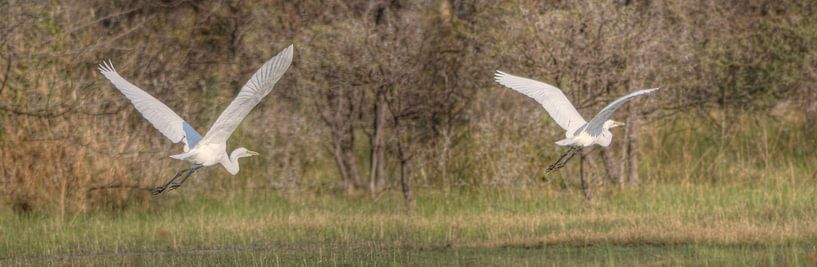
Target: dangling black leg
<point x="159" y="190"/>
<point x="563" y="159"/>
<point x="576" y="150"/>
<point x="179" y="183"/>
<point x="553" y="166"/>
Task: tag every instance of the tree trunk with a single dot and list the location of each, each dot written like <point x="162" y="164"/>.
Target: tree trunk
<point x="611" y="166"/>
<point x="443" y="159"/>
<point x="337" y="153"/>
<point x="406" y="189"/>
<point x="811" y="114"/>
<point x="381" y="167"/>
<point x="404" y="182"/>
<point x="584" y="183"/>
<point x="352" y="172"/>
<point x="632" y="144"/>
<point x="810" y="108"/>
<point x="377" y="171"/>
<point x="592" y="168"/>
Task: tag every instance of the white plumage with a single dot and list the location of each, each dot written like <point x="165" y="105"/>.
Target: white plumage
<point x="170" y="124"/>
<point x="578" y="131"/>
<point x="210" y="149"/>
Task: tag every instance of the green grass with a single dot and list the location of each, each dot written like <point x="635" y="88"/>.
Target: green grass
<point x="608" y="255"/>
<point x="770" y="223"/>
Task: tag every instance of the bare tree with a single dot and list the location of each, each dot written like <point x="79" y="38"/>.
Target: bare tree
<point x="611" y="165"/>
<point x="377" y="172"/>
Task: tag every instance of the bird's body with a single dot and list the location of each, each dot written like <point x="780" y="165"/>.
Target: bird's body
<point x="582" y="139"/>
<point x="578" y="132"/>
<point x="205" y="155"/>
<point x="211" y="154"/>
<point x="212" y="148"/>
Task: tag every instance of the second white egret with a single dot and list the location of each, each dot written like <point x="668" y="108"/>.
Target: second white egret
<point x="579" y="133"/>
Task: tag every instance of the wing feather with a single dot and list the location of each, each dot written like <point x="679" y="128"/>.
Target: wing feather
<point x="595" y="126"/>
<point x="170" y="124"/>
<point x="250" y="95"/>
<point x="551" y="98"/>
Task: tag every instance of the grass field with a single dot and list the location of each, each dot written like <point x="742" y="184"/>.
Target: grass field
<point x="767" y="223"/>
<point x="721" y="163"/>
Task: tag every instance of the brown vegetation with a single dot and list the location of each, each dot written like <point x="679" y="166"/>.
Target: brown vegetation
<point x="382" y="93"/>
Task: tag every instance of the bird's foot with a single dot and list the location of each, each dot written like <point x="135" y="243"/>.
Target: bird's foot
<point x="158" y="190"/>
<point x="563" y="159"/>
<point x="554" y="166"/>
<point x="173" y="186"/>
<point x="557" y="165"/>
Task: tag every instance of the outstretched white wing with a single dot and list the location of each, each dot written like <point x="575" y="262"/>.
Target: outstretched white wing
<point x="157" y="113"/>
<point x="551" y="98"/>
<point x="594" y="127"/>
<point x="250" y="95"/>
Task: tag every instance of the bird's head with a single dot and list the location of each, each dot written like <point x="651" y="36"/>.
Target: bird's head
<point x="609" y="124"/>
<point x="242" y="153"/>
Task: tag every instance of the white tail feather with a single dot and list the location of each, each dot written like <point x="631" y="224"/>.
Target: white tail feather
<point x="565" y="142"/>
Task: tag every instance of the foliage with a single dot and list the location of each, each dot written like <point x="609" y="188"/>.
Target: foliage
<point x="737" y="101"/>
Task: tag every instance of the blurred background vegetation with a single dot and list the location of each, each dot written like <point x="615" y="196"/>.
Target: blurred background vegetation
<point x="384" y="96"/>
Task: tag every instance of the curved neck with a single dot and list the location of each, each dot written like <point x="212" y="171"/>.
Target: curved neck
<point x="607" y="125"/>
<point x="231" y="163"/>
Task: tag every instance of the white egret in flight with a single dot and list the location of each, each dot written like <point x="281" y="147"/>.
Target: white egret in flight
<point x="580" y="133"/>
<point x="212" y="148"/>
